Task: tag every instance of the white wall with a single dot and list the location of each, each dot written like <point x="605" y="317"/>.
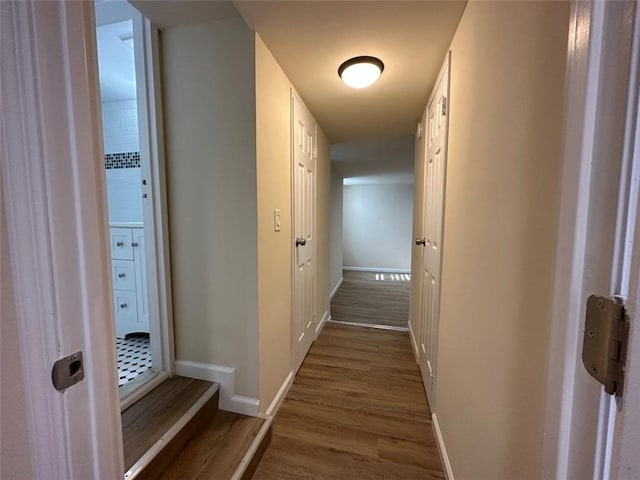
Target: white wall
<point x="376" y="226"/>
<point x="336" y="256"/>
<point x="210" y="117"/>
<point x="124" y="188"/>
<point x="120" y="126"/>
<point x="502" y="199"/>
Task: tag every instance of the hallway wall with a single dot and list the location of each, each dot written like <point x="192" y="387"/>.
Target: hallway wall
<point x="502" y="199"/>
<point x="336" y="253"/>
<point x="209" y="109"/>
<point x="273" y="157"/>
<point x="376" y="226"/>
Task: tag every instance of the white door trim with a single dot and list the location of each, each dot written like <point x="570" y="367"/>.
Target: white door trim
<point x="54" y="196"/>
<point x="624" y="444"/>
<point x="156" y="220"/>
<point x="594" y="37"/>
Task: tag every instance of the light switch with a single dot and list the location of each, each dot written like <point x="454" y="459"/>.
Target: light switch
<point x="276" y="220"/>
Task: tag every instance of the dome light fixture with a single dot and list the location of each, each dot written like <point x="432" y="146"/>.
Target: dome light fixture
<point x="361" y="72"/>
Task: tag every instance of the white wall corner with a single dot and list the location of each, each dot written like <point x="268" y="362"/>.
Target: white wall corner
<point x="226" y="378"/>
<point x="320" y="325"/>
<point x="335" y="289"/>
<point x="414" y="343"/>
<point x="280" y="396"/>
<point x="448" y="472"/>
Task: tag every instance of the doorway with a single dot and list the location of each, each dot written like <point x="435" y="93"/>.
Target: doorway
<point x="134" y="187"/>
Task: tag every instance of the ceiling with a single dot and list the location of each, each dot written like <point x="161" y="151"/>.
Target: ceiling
<point x="310" y="39"/>
<point x="116" y="63"/>
<point x="372" y="162"/>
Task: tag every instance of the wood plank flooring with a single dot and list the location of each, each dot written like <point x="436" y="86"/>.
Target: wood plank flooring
<point x="214" y="453"/>
<point x="356" y="410"/>
<point x="144" y="422"/>
<point x="364" y="299"/>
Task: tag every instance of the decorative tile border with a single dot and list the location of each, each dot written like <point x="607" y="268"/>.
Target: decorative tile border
<point x="122" y="160"/>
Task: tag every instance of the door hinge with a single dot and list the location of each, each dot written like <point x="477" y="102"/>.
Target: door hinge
<point x="444" y="106"/>
<point x="604" y="347"/>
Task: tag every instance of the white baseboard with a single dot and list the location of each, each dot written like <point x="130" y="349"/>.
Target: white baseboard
<point x="448" y="472"/>
<point x="414" y="343"/>
<point x="282" y="393"/>
<point x="335" y="289"/>
<point x="226" y="378"/>
<point x="378" y="270"/>
<point x="320" y="326"/>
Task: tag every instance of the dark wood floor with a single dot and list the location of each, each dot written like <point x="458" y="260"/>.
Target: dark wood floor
<point x="363" y="298"/>
<point x="356" y="410"/>
<point x="214" y="453"/>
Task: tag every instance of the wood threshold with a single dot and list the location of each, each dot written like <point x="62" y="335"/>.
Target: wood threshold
<point x="151" y="421"/>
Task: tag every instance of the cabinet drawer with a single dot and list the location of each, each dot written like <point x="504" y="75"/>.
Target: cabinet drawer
<point x="121" y="240"/>
<point x="124" y="275"/>
<point x="125" y="307"/>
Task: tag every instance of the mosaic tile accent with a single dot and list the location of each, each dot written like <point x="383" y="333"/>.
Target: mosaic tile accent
<point x="134" y="358"/>
<point x="122" y="160"/>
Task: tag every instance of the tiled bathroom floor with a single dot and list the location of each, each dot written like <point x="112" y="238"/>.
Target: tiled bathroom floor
<point x="134" y="358"/>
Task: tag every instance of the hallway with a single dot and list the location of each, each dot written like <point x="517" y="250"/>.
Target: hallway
<point x="373" y="298"/>
<point x="357" y="409"/>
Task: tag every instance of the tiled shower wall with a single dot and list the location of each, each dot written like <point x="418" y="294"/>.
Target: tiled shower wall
<point x="122" y="161"/>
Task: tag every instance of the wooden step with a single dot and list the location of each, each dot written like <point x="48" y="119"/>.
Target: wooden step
<point x="164" y="420"/>
<point x="227" y="446"/>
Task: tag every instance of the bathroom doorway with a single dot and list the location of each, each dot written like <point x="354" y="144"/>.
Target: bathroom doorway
<point x="134" y="185"/>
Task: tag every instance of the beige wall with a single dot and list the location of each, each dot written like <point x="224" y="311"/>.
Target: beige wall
<point x="15" y="460"/>
<point x="273" y="147"/>
<point x="273" y="158"/>
<point x="336" y="254"/>
<point x="323" y="226"/>
<point x="416" y="250"/>
<point x="507" y="81"/>
<point x="209" y="111"/>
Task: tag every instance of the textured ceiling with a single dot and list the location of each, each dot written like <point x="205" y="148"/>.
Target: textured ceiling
<point x="310" y="39"/>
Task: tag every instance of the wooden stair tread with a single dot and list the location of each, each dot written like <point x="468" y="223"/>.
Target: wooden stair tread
<point x="147" y="420"/>
<point x="215" y="451"/>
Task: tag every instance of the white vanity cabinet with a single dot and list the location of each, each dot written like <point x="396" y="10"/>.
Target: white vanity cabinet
<point x="129" y="274"/>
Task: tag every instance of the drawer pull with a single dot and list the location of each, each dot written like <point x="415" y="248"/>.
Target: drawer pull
<point x="121" y="275"/>
<point x="123" y="305"/>
<point x="119" y="244"/>
<point x="134" y="244"/>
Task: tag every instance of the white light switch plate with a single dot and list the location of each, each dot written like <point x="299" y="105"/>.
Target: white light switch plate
<point x="276" y="220"/>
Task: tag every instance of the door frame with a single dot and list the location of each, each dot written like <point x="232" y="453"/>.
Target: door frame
<point x="156" y="218"/>
<point x="56" y="210"/>
<point x="586" y="52"/>
<point x="293" y="94"/>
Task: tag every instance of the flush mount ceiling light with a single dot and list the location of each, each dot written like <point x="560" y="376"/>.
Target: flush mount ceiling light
<point x="361" y="72"/>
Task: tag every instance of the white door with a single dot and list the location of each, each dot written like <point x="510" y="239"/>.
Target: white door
<point x="57" y="240"/>
<point x="304" y="159"/>
<point x="433" y="211"/>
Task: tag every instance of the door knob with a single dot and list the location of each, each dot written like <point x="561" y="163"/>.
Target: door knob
<point x="121" y="275"/>
<point x="134" y="244"/>
<point x="301" y="241"/>
<point x="119" y="244"/>
<point x="421" y="241"/>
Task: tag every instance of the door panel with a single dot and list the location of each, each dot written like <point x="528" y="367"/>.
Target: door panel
<point x="433" y="211"/>
<point x="304" y="141"/>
